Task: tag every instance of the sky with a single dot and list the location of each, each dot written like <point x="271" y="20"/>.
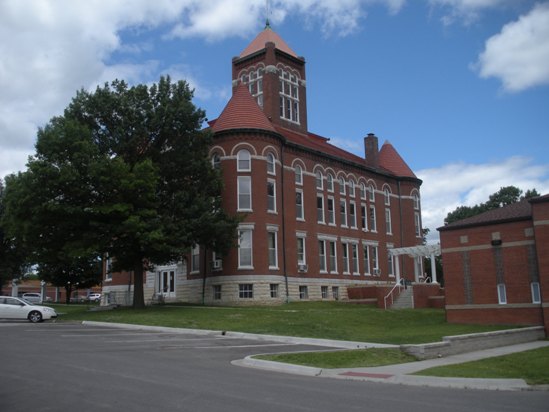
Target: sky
<point x="459" y="87"/>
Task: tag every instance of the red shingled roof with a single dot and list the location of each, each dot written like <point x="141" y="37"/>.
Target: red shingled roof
<point x="242" y="112"/>
<point x="390" y="160"/>
<point x="266" y="36"/>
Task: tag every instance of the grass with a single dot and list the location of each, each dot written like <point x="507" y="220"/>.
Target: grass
<point x="328" y="320"/>
<point x="360" y="358"/>
<point x="532" y="366"/>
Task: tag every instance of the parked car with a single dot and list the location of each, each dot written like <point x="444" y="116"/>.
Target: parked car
<point x="32" y="297"/>
<point x="16" y="308"/>
<point x="94" y="297"/>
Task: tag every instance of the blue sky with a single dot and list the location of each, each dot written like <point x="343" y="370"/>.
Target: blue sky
<point x="459" y="87"/>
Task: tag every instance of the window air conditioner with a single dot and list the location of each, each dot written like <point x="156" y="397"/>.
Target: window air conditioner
<point x="302" y="268"/>
<point x="216" y="264"/>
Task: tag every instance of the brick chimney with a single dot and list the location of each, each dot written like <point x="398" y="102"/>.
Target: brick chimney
<point x="371" y="150"/>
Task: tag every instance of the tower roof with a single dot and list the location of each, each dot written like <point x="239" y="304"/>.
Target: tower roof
<point x="266" y="36"/>
<point x="242" y="112"/>
<point x="390" y="160"/>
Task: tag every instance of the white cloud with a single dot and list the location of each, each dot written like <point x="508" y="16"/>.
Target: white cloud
<point x="466" y="11"/>
<point x="462" y="184"/>
<point x="519" y="54"/>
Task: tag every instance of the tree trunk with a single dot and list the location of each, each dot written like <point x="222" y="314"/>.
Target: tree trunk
<point x="68" y="293"/>
<point x="138" y="295"/>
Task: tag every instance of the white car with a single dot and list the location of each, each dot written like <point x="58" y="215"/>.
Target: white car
<point x="94" y="297"/>
<point x="15" y="308"/>
<point x="32" y="297"/>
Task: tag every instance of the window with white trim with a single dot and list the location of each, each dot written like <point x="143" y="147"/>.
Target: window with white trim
<point x="303" y="292"/>
<point x="342" y="186"/>
<point x="330" y="182"/>
<point x="387" y="194"/>
<point x="375" y="256"/>
<point x="371" y="193"/>
<point x="289" y="95"/>
<point x="254" y="80"/>
<point x="351" y="188"/>
<point x="273" y="249"/>
<point x="273" y="287"/>
<point x="417" y="224"/>
<point x="352" y="214"/>
<point x="319" y="180"/>
<point x="373" y="226"/>
<point x="322" y="255"/>
<point x="416" y="201"/>
<point x="195" y="259"/>
<point x="390" y="264"/>
<point x="343" y="212"/>
<point x="362" y="191"/>
<point x="298" y="175"/>
<point x="502" y="294"/>
<point x="246" y="290"/>
<point x="244" y="161"/>
<point x="320" y="208"/>
<point x="271" y="169"/>
<point x="245" y="249"/>
<point x="271" y="196"/>
<point x="301" y="256"/>
<point x="331" y="211"/>
<point x="354" y="258"/>
<point x="536" y="295"/>
<point x="335" y="292"/>
<point x="216" y="161"/>
<point x="366" y="259"/>
<point x="217" y="292"/>
<point x="388" y="225"/>
<point x="244" y="193"/>
<point x="363" y="218"/>
<point x="345" y="256"/>
<point x="324" y="292"/>
<point x="332" y="251"/>
<point x="299" y="210"/>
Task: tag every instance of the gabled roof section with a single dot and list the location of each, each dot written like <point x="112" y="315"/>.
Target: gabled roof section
<point x="266" y="36"/>
<point x="242" y="112"/>
<point x="516" y="211"/>
<point x="390" y="160"/>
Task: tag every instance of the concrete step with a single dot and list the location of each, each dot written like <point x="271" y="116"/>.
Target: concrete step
<point x="405" y="300"/>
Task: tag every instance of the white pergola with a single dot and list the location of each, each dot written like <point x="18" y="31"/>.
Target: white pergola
<point x="417" y="251"/>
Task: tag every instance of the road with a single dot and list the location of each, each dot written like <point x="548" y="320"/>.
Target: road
<point x="63" y="367"/>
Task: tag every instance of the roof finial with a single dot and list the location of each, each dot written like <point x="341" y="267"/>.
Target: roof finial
<point x="267" y="12"/>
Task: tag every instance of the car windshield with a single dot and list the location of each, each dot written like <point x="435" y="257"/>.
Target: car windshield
<point x="28" y="302"/>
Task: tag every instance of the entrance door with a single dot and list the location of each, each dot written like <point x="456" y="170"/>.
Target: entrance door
<point x="166" y="283"/>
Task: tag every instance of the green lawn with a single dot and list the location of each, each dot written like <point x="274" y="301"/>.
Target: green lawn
<point x="329" y="320"/>
<point x="532" y="366"/>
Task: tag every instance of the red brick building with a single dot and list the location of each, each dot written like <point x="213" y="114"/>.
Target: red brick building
<point x="317" y="218"/>
<point x="496" y="265"/>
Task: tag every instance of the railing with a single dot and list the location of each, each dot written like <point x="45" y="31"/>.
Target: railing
<point x="426" y="279"/>
<point x="391" y="293"/>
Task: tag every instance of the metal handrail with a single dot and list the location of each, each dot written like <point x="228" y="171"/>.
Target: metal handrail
<point x="397" y="285"/>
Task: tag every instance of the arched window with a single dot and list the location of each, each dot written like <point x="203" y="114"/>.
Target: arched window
<point x="216" y="161"/>
<point x="330" y="182"/>
<point x="319" y="180"/>
<point x="372" y="193"/>
<point x="254" y="80"/>
<point x="351" y="187"/>
<point x="362" y="191"/>
<point x="416" y="201"/>
<point x="298" y="175"/>
<point x="289" y="95"/>
<point x="387" y="195"/>
<point x="341" y="186"/>
<point x="244" y="161"/>
<point x="271" y="164"/>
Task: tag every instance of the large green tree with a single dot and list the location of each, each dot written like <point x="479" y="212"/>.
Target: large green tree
<point x="125" y="172"/>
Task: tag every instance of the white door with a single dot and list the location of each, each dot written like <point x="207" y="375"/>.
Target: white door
<point x="166" y="283"/>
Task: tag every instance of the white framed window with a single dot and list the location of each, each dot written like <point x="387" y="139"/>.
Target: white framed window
<point x="217" y="292"/>
<point x="245" y="249"/>
<point x="388" y="225"/>
<point x="375" y="258"/>
<point x="254" y="80"/>
<point x="273" y="287"/>
<point x="244" y="161"/>
<point x="319" y="177"/>
<point x="244" y="193"/>
<point x="299" y="210"/>
<point x="371" y="193"/>
<point x="324" y="292"/>
<point x="108" y="268"/>
<point x="320" y="208"/>
<point x="216" y="161"/>
<point x="390" y="265"/>
<point x="354" y="258"/>
<point x="373" y="226"/>
<point x="343" y="212"/>
<point x="341" y="186"/>
<point x="272" y="249"/>
<point x="271" y="196"/>
<point x="502" y="294"/>
<point x="335" y="292"/>
<point x="301" y="254"/>
<point x="333" y="256"/>
<point x="195" y="259"/>
<point x="289" y="95"/>
<point x="363" y="218"/>
<point x="322" y="255"/>
<point x="271" y="169"/>
<point x="298" y="175"/>
<point x="366" y="259"/>
<point x="345" y="256"/>
<point x="303" y="292"/>
<point x="352" y="188"/>
<point x="363" y="191"/>
<point x="416" y="201"/>
<point x="246" y="290"/>
<point x="536" y="296"/>
<point x="387" y="196"/>
<point x="417" y="224"/>
<point x="352" y="214"/>
<point x="330" y="182"/>
<point x="331" y="211"/>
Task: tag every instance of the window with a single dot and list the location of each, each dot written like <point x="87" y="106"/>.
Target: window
<point x="303" y="292"/>
<point x="254" y="80"/>
<point x="366" y="259"/>
<point x="319" y="180"/>
<point x="217" y="292"/>
<point x="320" y="208"/>
<point x="354" y="256"/>
<point x="273" y="250"/>
<point x="245" y="248"/>
<point x="345" y="256"/>
<point x="271" y="164"/>
<point x="373" y="226"/>
<point x="244" y="193"/>
<point x="362" y="191"/>
<point x="371" y="193"/>
<point x="322" y="255"/>
<point x="271" y="196"/>
<point x="390" y="265"/>
<point x="416" y="201"/>
<point x="108" y="268"/>
<point x="330" y="182"/>
<point x="343" y="212"/>
<point x="274" y="290"/>
<point x="301" y="258"/>
<point x="195" y="259"/>
<point x="246" y="291"/>
<point x="536" y="297"/>
<point x="335" y="292"/>
<point x="363" y="218"/>
<point x="352" y="214"/>
<point x="375" y="260"/>
<point x="333" y="256"/>
<point x="331" y="212"/>
<point x="216" y="161"/>
<point x="299" y="205"/>
<point x="244" y="161"/>
<point x="502" y="296"/>
<point x="387" y="196"/>
<point x="324" y="292"/>
<point x="342" y="186"/>
<point x="289" y="95"/>
<point x="298" y="175"/>
<point x="351" y="188"/>
<point x="388" y="225"/>
<point x="417" y="223"/>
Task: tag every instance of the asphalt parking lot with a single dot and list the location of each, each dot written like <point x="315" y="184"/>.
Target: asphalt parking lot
<point x="62" y="366"/>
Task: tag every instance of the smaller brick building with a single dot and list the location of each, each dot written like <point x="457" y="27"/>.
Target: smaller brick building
<point x="496" y="265"/>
